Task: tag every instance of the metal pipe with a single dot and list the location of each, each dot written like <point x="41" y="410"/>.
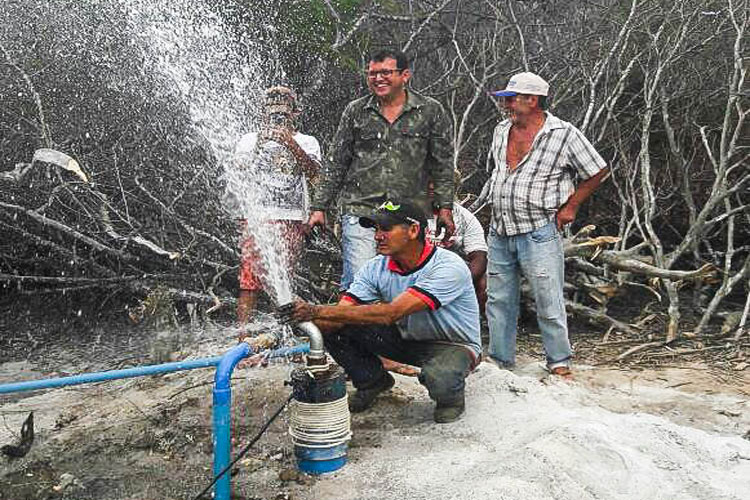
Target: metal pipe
<point x="317" y="350"/>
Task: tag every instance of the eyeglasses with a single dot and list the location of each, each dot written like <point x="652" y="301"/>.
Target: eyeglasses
<point x="385" y="73"/>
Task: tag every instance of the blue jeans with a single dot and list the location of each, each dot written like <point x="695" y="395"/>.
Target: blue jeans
<point x="358" y="246"/>
<point x="539" y="256"/>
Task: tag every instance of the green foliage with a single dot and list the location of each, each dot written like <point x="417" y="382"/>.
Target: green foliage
<point x="310" y="27"/>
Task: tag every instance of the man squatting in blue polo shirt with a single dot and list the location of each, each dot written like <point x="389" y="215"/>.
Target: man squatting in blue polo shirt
<point x="415" y="304"/>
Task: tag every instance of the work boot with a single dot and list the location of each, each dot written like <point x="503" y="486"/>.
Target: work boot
<point x="365" y="397"/>
<point x="446" y="413"/>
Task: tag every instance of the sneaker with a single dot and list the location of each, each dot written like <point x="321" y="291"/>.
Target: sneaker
<point x="365" y="398"/>
<point x="445" y="414"/>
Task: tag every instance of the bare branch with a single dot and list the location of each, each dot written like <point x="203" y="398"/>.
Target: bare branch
<point x="46" y="139"/>
<point x="424" y="24"/>
<point x="67" y="230"/>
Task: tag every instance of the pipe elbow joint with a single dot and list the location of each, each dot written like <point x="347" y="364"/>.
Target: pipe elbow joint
<point x="226" y="365"/>
<point x="317" y="350"/>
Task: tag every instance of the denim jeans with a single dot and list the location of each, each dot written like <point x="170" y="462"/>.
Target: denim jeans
<point x="444" y="366"/>
<point x="539" y="256"/>
<point x="358" y="246"/>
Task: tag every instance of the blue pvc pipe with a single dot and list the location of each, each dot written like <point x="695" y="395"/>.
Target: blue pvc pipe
<point x="222" y="394"/>
<point x="222" y="410"/>
<point x="283" y="352"/>
<point x="138" y="371"/>
<point x="86" y="378"/>
<point x="222" y="417"/>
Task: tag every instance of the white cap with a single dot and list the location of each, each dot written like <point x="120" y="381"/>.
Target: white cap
<point x="524" y="83"/>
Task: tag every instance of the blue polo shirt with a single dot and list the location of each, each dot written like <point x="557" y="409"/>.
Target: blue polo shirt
<point x="441" y="280"/>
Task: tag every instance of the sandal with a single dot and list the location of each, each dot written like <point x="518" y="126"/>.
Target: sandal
<point x="562" y="371"/>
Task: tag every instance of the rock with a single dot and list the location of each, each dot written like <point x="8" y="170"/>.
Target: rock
<point x="730" y="413"/>
<point x="64" y="419"/>
<point x="304" y="479"/>
<point x="517" y="390"/>
<point x="252" y="464"/>
<point x="67" y="480"/>
<point x="289" y="474"/>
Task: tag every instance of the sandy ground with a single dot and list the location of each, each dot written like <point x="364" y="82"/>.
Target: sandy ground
<point x="671" y="434"/>
<point x="529" y="436"/>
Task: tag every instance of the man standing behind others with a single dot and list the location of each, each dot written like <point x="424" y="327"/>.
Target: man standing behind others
<point x="537" y="157"/>
<point x="388" y="145"/>
<point x="469" y="243"/>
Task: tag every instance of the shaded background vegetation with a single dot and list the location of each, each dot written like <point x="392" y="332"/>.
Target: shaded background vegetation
<point x="659" y="88"/>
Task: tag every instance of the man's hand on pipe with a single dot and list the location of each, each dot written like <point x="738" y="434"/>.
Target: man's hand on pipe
<point x="296" y="312"/>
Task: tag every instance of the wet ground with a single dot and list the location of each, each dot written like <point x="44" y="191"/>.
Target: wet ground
<point x="151" y="437"/>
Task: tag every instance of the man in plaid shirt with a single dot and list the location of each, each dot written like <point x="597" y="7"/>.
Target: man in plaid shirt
<point x="536" y="158"/>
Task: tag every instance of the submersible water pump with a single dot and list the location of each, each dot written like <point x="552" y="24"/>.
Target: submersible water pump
<point x="320" y="424"/>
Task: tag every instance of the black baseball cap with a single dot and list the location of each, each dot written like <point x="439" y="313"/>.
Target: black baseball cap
<point x="391" y="212"/>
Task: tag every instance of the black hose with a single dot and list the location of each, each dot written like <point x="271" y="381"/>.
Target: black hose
<point x="246" y="448"/>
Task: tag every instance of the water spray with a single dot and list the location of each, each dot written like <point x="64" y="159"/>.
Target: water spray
<point x="320" y="424"/>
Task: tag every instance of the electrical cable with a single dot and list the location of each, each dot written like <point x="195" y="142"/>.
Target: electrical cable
<point x="320" y="425"/>
<point x="241" y="454"/>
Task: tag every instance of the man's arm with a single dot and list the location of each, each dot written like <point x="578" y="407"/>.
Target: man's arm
<point x="386" y="313"/>
<point x="474" y="242"/>
<point x="567" y="212"/>
<point x="325" y="326"/>
<point x="309" y="166"/>
<point x="440" y="163"/>
<point x="477" y="262"/>
<point x="440" y="159"/>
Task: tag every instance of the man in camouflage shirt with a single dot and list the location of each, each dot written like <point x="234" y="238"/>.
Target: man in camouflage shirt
<point x="388" y="145"/>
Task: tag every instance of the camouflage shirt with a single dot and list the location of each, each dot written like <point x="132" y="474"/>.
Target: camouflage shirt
<point x="373" y="161"/>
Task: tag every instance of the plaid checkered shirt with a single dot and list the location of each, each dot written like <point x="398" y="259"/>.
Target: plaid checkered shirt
<point x="528" y="197"/>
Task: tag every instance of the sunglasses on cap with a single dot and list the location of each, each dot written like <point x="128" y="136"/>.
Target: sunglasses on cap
<point x="391" y="207"/>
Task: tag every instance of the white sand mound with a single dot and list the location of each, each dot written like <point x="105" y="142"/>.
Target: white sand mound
<point x="522" y="439"/>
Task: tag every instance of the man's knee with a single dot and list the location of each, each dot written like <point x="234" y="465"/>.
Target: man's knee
<point x="334" y="340"/>
<point x="357" y="336"/>
<point x="548" y="294"/>
<point x="444" y="375"/>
